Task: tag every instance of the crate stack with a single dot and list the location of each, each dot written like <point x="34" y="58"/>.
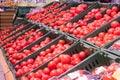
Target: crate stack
<point x="62" y="38"/>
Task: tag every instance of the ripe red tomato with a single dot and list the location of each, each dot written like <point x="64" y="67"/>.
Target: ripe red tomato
<point x="31" y="75"/>
<point x="115" y="8"/>
<point x="115" y="24"/>
<point x="24" y="78"/>
<point x="30" y="61"/>
<point x="52" y="65"/>
<point x="59" y="71"/>
<point x="82" y="55"/>
<point x="62" y="42"/>
<point x="108" y="11"/>
<point x="98" y="16"/>
<point x="59" y="65"/>
<point x="65" y="59"/>
<point x="46" y="71"/>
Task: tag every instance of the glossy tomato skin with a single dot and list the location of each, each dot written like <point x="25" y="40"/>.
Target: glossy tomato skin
<point x="115" y="24"/>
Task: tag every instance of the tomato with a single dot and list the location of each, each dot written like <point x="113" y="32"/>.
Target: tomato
<point x="46" y="71"/>
<point x="24" y="78"/>
<point x="31" y="75"/>
<point x="74" y="56"/>
<point x="115" y="8"/>
<point x="57" y="60"/>
<point x="108" y="11"/>
<point x="52" y="65"/>
<point x="101" y="34"/>
<point x="62" y="42"/>
<point x="115" y="24"/>
<point x="17" y="67"/>
<point x="59" y="71"/>
<point x="42" y="53"/>
<point x="65" y="59"/>
<point x="82" y="55"/>
<point x="38" y="74"/>
<point x="98" y="16"/>
<point x="75" y="61"/>
<point x="30" y="61"/>
<point x="53" y="73"/>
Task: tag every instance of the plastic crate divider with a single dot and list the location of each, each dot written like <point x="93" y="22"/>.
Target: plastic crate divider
<point x="104" y="28"/>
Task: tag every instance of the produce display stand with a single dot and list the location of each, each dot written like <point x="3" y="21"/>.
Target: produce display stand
<point x="96" y="56"/>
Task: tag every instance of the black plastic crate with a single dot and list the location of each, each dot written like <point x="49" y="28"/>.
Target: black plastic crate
<point x="75" y="4"/>
<point x="94" y="6"/>
<point x="26" y="26"/>
<point x="14" y="27"/>
<point x="35" y="54"/>
<point x="33" y="27"/>
<point x="81" y="16"/>
<point x="107" y="46"/>
<point x="103" y="28"/>
<point x="76" y="48"/>
<point x="4" y="52"/>
<point x="72" y="4"/>
<point x="22" y="29"/>
<point x="51" y="34"/>
<point x="99" y="58"/>
<point x="109" y="6"/>
<point x="45" y="31"/>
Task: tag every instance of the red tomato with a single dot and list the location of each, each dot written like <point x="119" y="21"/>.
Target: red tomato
<point x="115" y="24"/>
<point x="98" y="16"/>
<point x="46" y="71"/>
<point x="31" y="75"/>
<point x="101" y="34"/>
<point x="108" y="11"/>
<point x="82" y="55"/>
<point x="65" y="59"/>
<point x="53" y="73"/>
<point x="24" y="78"/>
<point x="62" y="42"/>
<point x="59" y="71"/>
<point x="115" y="8"/>
<point x="52" y="65"/>
<point x="30" y="61"/>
